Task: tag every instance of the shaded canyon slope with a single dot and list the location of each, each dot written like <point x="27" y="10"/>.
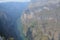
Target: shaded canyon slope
<point x="10" y="12"/>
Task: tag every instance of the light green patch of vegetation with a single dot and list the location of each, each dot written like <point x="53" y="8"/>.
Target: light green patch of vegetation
<point x="11" y="38"/>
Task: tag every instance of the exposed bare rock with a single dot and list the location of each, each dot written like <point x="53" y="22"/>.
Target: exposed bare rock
<point x="43" y="18"/>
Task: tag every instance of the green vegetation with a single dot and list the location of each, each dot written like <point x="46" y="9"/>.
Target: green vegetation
<point x="3" y="38"/>
<point x="11" y="38"/>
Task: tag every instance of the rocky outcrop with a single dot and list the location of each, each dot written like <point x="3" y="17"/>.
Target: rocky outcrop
<point x="42" y="19"/>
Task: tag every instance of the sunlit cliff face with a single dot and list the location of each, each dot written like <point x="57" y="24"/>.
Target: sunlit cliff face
<point x="45" y="14"/>
<point x="28" y="16"/>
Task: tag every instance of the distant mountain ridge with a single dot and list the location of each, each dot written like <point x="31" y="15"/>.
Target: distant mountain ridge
<point x="13" y="8"/>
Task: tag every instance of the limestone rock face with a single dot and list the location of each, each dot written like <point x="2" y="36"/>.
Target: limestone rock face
<point x="42" y="18"/>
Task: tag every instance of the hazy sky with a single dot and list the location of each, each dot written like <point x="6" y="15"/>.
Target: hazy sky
<point x="14" y="0"/>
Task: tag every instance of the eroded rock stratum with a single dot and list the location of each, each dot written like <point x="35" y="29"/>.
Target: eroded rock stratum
<point x="41" y="20"/>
